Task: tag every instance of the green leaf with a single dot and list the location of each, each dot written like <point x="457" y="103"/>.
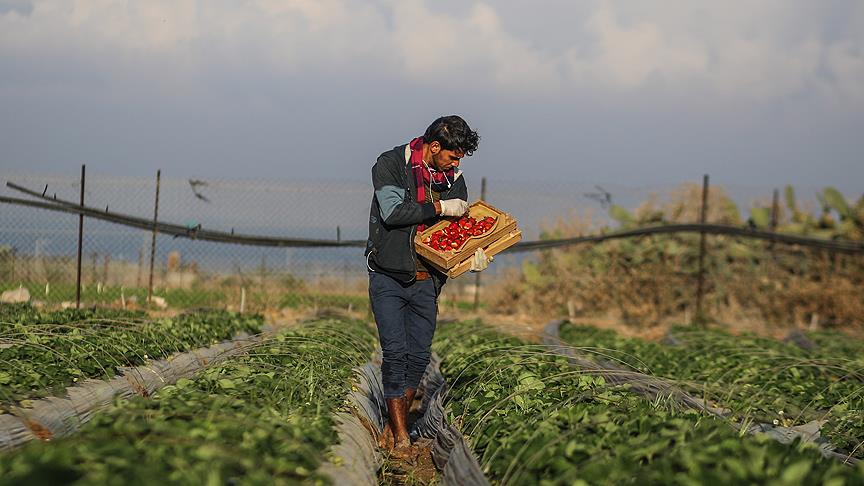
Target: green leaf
<point x="760" y="217"/>
<point x="796" y="473"/>
<point x="791" y="203"/>
<point x="835" y="200"/>
<point x="621" y="215"/>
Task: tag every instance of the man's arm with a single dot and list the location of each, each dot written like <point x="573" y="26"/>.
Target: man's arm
<point x="396" y="209"/>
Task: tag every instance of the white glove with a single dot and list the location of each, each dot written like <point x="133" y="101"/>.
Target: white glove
<point x="453" y="207"/>
<point x="480" y="261"/>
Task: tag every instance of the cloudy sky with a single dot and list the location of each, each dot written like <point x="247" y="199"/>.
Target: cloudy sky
<point x="761" y="92"/>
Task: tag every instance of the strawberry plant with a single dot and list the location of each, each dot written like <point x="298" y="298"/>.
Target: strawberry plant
<point x="265" y="418"/>
<point x="534" y="419"/>
<point x="756" y="378"/>
<point x="43" y="353"/>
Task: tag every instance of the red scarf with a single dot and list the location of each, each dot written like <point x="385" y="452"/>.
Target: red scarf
<point x="426" y="176"/>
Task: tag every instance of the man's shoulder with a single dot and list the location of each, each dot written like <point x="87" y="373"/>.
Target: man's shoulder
<point x="394" y="155"/>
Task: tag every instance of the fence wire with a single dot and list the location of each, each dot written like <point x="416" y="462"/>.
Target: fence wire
<point x="38" y="247"/>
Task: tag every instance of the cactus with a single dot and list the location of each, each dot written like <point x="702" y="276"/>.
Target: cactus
<point x="851" y="222"/>
<point x="792" y="204"/>
<point x="859" y="210"/>
<point x="833" y="199"/>
<point x="760" y="217"/>
<point x="533" y="276"/>
<point x="621" y="215"/>
<point x="826" y="221"/>
<point x="729" y="213"/>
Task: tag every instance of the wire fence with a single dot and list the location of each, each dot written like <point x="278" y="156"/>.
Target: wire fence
<point x="322" y="226"/>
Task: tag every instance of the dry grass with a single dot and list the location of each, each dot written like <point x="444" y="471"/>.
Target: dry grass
<point x="651" y="281"/>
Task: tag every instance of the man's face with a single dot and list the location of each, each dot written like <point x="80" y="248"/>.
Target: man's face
<point x="444" y="160"/>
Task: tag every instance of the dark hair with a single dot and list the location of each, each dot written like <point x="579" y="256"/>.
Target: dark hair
<point x="453" y="133"/>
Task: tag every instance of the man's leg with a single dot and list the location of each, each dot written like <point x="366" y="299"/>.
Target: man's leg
<point x="420" y="324"/>
<point x="389" y="302"/>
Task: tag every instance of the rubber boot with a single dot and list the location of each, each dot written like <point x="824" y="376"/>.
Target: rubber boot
<point x="398" y="414"/>
<point x="409" y="397"/>
<point x="413" y="431"/>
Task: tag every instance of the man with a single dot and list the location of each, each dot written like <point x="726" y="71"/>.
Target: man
<point x="415" y="184"/>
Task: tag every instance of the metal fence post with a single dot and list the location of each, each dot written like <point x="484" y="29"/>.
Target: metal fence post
<point x="775" y="210"/>
<point x="80" y="244"/>
<point x="699" y="317"/>
<point x="153" y="240"/>
<point x="477" y="275"/>
<point x="775" y="217"/>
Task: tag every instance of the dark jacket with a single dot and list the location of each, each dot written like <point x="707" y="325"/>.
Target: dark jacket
<point x="396" y="213"/>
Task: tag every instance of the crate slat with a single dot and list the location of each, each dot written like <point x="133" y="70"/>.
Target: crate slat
<point x="493" y="249"/>
<point x="503" y="231"/>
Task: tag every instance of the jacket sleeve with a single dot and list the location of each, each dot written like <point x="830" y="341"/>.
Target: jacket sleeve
<point x="458" y="191"/>
<point x="398" y="208"/>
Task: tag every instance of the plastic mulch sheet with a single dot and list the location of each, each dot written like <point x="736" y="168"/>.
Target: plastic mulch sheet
<point x="651" y="387"/>
<point x="355" y="459"/>
<point x="54" y="417"/>
<point x="451" y="453"/>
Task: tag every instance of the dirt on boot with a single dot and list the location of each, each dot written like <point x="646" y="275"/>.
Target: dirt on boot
<point x="410" y="465"/>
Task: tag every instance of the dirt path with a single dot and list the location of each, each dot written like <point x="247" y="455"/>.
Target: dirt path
<point x="421" y="470"/>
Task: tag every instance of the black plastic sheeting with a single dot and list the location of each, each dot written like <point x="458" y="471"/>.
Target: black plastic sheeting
<point x="356" y="459"/>
<point x="54" y="204"/>
<point x="651" y="387"/>
<point x="451" y="453"/>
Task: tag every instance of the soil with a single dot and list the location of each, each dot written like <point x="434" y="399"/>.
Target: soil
<point x="531" y="328"/>
<point x="416" y="470"/>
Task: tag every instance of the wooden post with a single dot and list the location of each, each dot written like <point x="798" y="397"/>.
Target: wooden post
<point x="699" y="317"/>
<point x="477" y="275"/>
<point x="80" y="244"/>
<point x="153" y="240"/>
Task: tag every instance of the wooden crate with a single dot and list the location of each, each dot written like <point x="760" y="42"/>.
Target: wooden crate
<point x="444" y="261"/>
<point x="493" y="249"/>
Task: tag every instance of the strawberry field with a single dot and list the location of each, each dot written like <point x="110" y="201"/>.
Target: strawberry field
<point x="273" y="410"/>
<point x="534" y="418"/>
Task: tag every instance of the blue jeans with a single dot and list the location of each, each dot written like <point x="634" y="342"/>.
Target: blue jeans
<point x="405" y="315"/>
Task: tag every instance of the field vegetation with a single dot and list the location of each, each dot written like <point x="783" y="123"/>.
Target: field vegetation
<point x="44" y="352"/>
<point x="263" y="418"/>
<point x="532" y="418"/>
<point x="754" y="378"/>
<point x="652" y="280"/>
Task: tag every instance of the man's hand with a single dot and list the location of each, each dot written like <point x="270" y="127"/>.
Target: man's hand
<point x="453" y="207"/>
<point x="480" y="261"/>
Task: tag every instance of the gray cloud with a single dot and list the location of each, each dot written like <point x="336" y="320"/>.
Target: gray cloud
<point x="597" y="90"/>
<point x="20" y="7"/>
